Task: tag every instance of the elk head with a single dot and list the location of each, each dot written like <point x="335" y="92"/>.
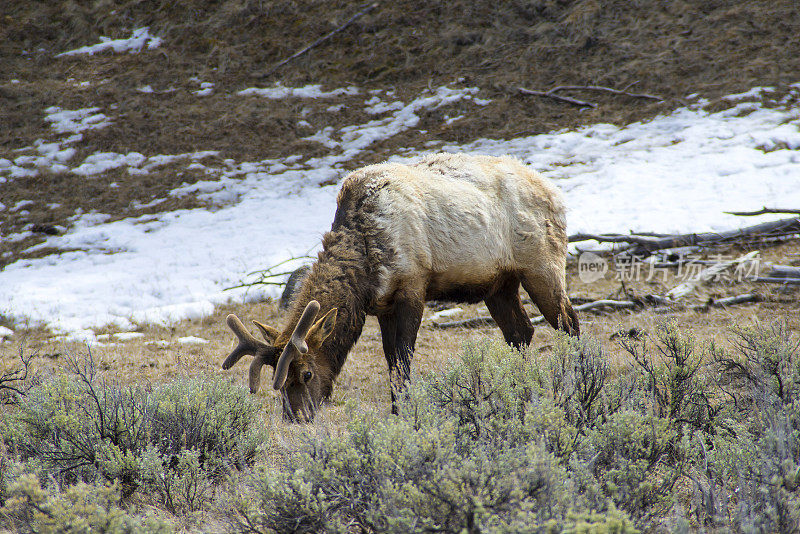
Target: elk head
<point x="301" y="371"/>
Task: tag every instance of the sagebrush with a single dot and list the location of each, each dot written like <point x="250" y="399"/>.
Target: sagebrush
<point x="687" y="436"/>
<point x="510" y="442"/>
<point x="173" y="441"/>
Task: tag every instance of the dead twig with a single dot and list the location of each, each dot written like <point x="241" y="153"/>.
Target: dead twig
<point x="13" y="382"/>
<point x="270" y="276"/>
<point x="601" y="88"/>
<point x="762" y="211"/>
<point x="583" y="103"/>
<point x="549" y="94"/>
<point x="367" y="8"/>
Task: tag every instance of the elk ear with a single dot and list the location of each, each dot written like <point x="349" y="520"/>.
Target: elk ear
<point x="269" y="333"/>
<point x="322" y="328"/>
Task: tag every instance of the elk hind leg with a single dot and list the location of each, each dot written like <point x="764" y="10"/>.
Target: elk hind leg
<point x="507" y="311"/>
<point x="547" y="290"/>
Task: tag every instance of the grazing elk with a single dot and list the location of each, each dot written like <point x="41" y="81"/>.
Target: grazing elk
<point x="450" y="226"/>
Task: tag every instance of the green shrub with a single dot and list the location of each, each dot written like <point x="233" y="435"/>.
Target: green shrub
<point x="393" y="476"/>
<point x="633" y="460"/>
<point x="578" y="373"/>
<point x="765" y="366"/>
<point x="173" y="441"/>
<point x="505" y="442"/>
<point x="674" y="377"/>
<point x="686" y="437"/>
<point x="759" y="455"/>
<point x="499" y="395"/>
<point x="79" y="509"/>
<point x="467" y="453"/>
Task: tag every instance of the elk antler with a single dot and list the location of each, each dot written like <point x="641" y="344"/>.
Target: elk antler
<point x="247" y="343"/>
<point x="296" y="345"/>
<point x="264" y="352"/>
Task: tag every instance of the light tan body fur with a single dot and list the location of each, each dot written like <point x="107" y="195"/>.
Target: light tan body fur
<point x="455" y="220"/>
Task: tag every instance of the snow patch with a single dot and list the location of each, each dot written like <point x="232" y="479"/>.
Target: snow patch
<point x="5" y="333"/>
<point x="309" y="91"/>
<point x="139" y="39"/>
<point x="192" y="340"/>
<point x="127" y="336"/>
<point x="75" y="120"/>
<point x="675" y="173"/>
<point x="206" y="88"/>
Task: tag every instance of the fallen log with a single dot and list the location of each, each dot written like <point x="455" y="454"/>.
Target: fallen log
<point x="658" y="301"/>
<point x="709" y="273"/>
<point x="727" y="301"/>
<point x="475" y="322"/>
<point x="784" y="271"/>
<point x="648" y="244"/>
<point x="762" y="211"/>
<point x="778" y="280"/>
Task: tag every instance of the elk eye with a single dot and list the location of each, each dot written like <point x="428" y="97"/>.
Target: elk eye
<point x="307" y="376"/>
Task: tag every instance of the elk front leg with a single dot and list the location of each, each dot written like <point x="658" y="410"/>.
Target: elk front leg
<point x="548" y="291"/>
<point x="407" y="314"/>
<point x="388" y="324"/>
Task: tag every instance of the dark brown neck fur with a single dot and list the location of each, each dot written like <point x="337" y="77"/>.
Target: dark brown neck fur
<point x="339" y="279"/>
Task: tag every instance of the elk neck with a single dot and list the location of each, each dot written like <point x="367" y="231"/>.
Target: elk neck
<point x="341" y="278"/>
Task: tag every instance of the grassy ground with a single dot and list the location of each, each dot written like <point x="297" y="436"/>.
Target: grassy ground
<point x="158" y="357"/>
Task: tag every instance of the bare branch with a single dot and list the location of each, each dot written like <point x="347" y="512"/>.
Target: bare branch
<point x="601" y="88"/>
<point x="639" y="239"/>
<point x="369" y="7"/>
<point x="583" y="103"/>
<point x="266" y="277"/>
<point x="14" y="381"/>
<point x="549" y="94"/>
<point x="647" y="243"/>
<point x="762" y="211"/>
